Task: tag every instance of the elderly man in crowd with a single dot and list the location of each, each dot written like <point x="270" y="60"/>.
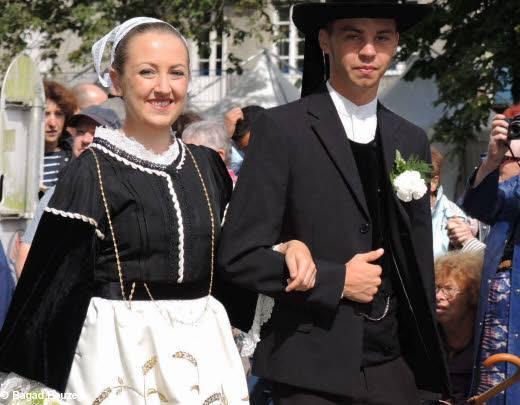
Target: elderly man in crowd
<point x="88" y="94"/>
<point x="493" y="196"/>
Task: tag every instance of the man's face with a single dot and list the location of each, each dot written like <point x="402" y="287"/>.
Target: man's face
<point x="360" y="50"/>
<point x="84" y="136"/>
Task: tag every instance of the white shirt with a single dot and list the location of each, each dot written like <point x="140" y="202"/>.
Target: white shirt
<point x="359" y="121"/>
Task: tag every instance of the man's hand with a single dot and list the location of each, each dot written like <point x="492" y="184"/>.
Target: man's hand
<point x="302" y="270"/>
<point x="497" y="148"/>
<point x="231" y="118"/>
<point x="362" y="279"/>
<point x="459" y="231"/>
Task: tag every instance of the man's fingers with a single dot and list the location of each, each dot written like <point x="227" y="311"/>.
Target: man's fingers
<point x="296" y="280"/>
<point x="379" y="281"/>
<point x="305" y="279"/>
<point x="292" y="265"/>
<point x="292" y="286"/>
<point x="374" y="269"/>
<point x="365" y="299"/>
<point x="370" y="256"/>
<point x="311" y="273"/>
<point x="295" y="283"/>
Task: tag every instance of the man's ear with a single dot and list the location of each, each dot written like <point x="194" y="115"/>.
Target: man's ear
<point x="116" y="82"/>
<point x="324" y="40"/>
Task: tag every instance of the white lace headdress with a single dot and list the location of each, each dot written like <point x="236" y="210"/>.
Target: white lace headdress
<point x="114" y="37"/>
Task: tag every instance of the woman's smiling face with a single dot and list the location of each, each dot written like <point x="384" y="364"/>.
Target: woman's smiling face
<point x="154" y="82"/>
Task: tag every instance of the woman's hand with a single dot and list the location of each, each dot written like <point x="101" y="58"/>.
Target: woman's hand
<point x="497" y="148"/>
<point x="302" y="270"/>
<point x="459" y="231"/>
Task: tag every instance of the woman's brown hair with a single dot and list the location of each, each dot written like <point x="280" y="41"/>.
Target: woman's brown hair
<point x="63" y="97"/>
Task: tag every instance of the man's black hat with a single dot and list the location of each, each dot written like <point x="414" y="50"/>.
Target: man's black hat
<point x="104" y="117"/>
<point x="309" y="18"/>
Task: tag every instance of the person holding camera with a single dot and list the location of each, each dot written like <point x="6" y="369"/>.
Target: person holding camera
<point x="493" y="196"/>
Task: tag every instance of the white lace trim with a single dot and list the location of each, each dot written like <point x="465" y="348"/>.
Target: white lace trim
<point x="75" y="215"/>
<point x="133" y="147"/>
<point x="263" y="312"/>
<point x="224" y="216"/>
<point x="17" y="390"/>
<point x="183" y="155"/>
<point x="172" y="193"/>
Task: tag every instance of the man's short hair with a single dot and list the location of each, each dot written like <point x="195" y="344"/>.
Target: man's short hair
<point x="243" y="126"/>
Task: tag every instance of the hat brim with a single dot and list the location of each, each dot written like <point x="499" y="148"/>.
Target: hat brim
<point x="310" y="17"/>
<point x="74" y="120"/>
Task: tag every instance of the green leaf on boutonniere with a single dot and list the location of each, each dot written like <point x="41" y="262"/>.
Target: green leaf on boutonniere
<point x="412" y="164"/>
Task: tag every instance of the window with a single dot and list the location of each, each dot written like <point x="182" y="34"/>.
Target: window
<point x="289" y="44"/>
<point x="208" y="55"/>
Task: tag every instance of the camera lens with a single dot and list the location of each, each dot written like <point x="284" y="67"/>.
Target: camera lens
<point x="514" y="128"/>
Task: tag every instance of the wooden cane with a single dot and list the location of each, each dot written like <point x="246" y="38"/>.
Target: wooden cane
<point x="504" y="385"/>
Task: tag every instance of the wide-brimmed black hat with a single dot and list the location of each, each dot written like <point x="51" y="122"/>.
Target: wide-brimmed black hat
<point x="309" y="18"/>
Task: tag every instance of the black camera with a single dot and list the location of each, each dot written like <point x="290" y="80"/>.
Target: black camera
<point x="513" y="132"/>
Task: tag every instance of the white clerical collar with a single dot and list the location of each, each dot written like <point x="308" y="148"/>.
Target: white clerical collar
<point x="360" y="122"/>
<point x="345" y="106"/>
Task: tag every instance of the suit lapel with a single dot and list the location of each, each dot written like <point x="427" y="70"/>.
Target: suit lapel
<point x="327" y="125"/>
<point x="388" y="128"/>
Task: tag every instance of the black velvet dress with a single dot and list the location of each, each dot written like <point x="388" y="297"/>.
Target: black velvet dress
<point x="162" y="225"/>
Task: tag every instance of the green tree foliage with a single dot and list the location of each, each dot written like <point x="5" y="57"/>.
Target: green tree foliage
<point x="90" y="19"/>
<point x="472" y="50"/>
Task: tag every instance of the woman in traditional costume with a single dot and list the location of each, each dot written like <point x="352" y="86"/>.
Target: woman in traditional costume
<point x="114" y="304"/>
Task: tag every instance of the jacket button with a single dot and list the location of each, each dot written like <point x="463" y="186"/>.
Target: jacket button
<point x="364" y="228"/>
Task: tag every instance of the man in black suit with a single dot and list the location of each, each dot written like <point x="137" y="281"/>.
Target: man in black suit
<point x="318" y="170"/>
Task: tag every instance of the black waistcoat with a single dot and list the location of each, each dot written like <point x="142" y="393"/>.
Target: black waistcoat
<point x="380" y="337"/>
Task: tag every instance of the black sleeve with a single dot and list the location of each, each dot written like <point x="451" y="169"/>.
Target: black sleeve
<point x="423" y="229"/>
<point x="483" y="202"/>
<point x="45" y="317"/>
<point x="223" y="180"/>
<point x="254" y="221"/>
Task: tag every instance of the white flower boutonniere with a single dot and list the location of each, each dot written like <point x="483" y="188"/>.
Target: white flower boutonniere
<point x="409" y="177"/>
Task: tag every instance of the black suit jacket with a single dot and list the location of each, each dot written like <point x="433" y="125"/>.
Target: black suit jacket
<point x="300" y="181"/>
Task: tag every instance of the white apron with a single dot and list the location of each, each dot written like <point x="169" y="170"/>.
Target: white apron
<point x="167" y="351"/>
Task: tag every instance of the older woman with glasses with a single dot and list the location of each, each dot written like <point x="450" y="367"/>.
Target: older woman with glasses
<point x="457" y="277"/>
